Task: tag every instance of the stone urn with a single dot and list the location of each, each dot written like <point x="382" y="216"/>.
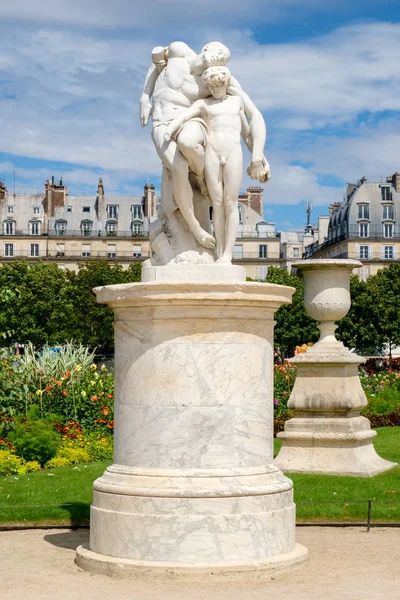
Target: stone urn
<point x="328" y="435"/>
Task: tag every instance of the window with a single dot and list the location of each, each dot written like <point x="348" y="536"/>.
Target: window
<point x="112" y="211"/>
<point x="111" y="251"/>
<point x="111" y="228"/>
<point x="262" y="272"/>
<point x="86" y="227"/>
<point x="34" y="227"/>
<point x="136" y="211"/>
<point x="60" y="249"/>
<point x="388" y="251"/>
<point x="363" y="211"/>
<point x="86" y="209"/>
<point x="137" y="251"/>
<point x="10" y="210"/>
<point x="387" y="212"/>
<point x="364" y="251"/>
<point x="241" y="213"/>
<point x="61" y="227"/>
<point x="136" y="228"/>
<point x="86" y="250"/>
<point x="262" y="251"/>
<point x="386" y="192"/>
<point x="34" y="250"/>
<point x="296" y="252"/>
<point x="36" y="210"/>
<point x="69" y="208"/>
<point x="9" y="227"/>
<point x="388" y="230"/>
<point x="363" y="230"/>
<point x="237" y="251"/>
<point x="9" y="249"/>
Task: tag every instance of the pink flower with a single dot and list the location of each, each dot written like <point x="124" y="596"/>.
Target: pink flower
<point x="276" y="401"/>
<point x="284" y="392"/>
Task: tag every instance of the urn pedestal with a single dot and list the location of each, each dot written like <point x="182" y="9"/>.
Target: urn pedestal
<point x="328" y="435"/>
<point x="193" y="491"/>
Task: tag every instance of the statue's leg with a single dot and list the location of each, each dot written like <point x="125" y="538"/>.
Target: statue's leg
<point x="182" y="190"/>
<point x="191" y="142"/>
<point x="232" y="180"/>
<point x="213" y="171"/>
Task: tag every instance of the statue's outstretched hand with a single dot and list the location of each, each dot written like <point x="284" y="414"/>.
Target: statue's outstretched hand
<point x="259" y="170"/>
<point x="168" y="133"/>
<point x="145" y="110"/>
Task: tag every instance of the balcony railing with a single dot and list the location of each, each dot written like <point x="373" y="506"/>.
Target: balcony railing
<point x="78" y="233"/>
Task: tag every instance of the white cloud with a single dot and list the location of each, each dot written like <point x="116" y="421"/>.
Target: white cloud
<point x="69" y="95"/>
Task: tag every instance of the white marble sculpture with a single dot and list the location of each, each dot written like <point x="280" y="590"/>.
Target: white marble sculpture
<point x="193" y="492"/>
<point x="193" y="153"/>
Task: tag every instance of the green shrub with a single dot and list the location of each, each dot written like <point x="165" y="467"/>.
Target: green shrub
<point x="75" y="456"/>
<point x="10" y="464"/>
<point x="56" y="462"/>
<point x="34" y="439"/>
<point x="31" y="466"/>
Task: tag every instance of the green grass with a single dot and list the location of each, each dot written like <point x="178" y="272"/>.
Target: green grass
<point x="70" y="489"/>
<point x="333" y="498"/>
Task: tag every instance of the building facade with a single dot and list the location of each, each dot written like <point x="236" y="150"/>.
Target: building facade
<point x="365" y="226"/>
<point x="66" y="229"/>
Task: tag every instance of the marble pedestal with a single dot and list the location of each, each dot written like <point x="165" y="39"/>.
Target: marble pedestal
<point x="193" y="491"/>
<point x="328" y="435"/>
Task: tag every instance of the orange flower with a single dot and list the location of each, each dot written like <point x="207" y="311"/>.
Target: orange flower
<point x="64" y="392"/>
<point x="110" y="395"/>
<point x="110" y="424"/>
<point x="94" y="398"/>
<point x="105" y="411"/>
<point x="58" y="383"/>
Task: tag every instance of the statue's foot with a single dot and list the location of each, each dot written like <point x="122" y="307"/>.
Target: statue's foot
<point x="224" y="260"/>
<point x="204" y="239"/>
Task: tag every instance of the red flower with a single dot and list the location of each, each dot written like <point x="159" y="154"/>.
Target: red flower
<point x="94" y="398"/>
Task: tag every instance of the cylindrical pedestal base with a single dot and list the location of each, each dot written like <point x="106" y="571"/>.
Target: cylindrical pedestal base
<point x="193" y="488"/>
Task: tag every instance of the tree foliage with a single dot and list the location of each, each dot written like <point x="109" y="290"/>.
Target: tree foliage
<point x="52" y="306"/>
<point x="293" y="326"/>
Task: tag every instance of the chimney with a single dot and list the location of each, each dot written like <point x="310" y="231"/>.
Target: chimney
<point x="255" y="195"/>
<point x="396" y="181"/>
<point x="334" y="207"/>
<point x="149" y="201"/>
<point x="54" y="196"/>
<point x="3" y="191"/>
<point x="100" y="199"/>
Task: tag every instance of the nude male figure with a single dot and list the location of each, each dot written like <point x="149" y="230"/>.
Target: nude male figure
<point x="173" y="88"/>
<point x="226" y="121"/>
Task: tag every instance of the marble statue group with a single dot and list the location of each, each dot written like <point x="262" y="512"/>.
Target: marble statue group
<point x="199" y="113"/>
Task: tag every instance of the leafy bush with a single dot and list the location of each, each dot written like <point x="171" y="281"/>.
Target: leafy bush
<point x="74" y="456"/>
<point x="31" y="466"/>
<point x="34" y="439"/>
<point x="56" y="462"/>
<point x="10" y="464"/>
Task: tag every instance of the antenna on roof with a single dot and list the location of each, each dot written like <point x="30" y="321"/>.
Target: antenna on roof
<point x="308" y="211"/>
<point x="14" y="181"/>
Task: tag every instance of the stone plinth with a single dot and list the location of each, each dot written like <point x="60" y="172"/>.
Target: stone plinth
<point x="328" y="435"/>
<point x="193" y="488"/>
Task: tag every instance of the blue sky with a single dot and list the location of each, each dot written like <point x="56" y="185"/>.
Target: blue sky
<point x="325" y="75"/>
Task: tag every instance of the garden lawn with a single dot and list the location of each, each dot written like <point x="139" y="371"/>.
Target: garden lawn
<point x="318" y="497"/>
<point x="334" y="498"/>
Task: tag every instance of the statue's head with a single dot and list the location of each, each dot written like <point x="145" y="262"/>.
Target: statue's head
<point x="212" y="55"/>
<point x="217" y="79"/>
<point x="159" y="57"/>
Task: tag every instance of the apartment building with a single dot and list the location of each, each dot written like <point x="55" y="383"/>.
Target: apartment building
<point x="365" y="226"/>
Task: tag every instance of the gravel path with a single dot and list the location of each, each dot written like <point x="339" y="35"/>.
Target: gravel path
<point x="345" y="563"/>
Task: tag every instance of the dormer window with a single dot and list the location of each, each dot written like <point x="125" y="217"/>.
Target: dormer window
<point x="86" y="227"/>
<point x="137" y="228"/>
<point x="86" y="209"/>
<point x="9" y="227"/>
<point x="112" y="211"/>
<point x="61" y="227"/>
<point x="34" y="227"/>
<point x="111" y="228"/>
<point x="137" y="212"/>
<point x="388" y="212"/>
<point x="36" y="210"/>
<point x="386" y="193"/>
<point x="10" y="210"/>
<point x="363" y="211"/>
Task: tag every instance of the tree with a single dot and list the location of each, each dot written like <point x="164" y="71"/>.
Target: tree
<point x="385" y="292"/>
<point x="93" y="323"/>
<point x="359" y="329"/>
<point x="293" y="326"/>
